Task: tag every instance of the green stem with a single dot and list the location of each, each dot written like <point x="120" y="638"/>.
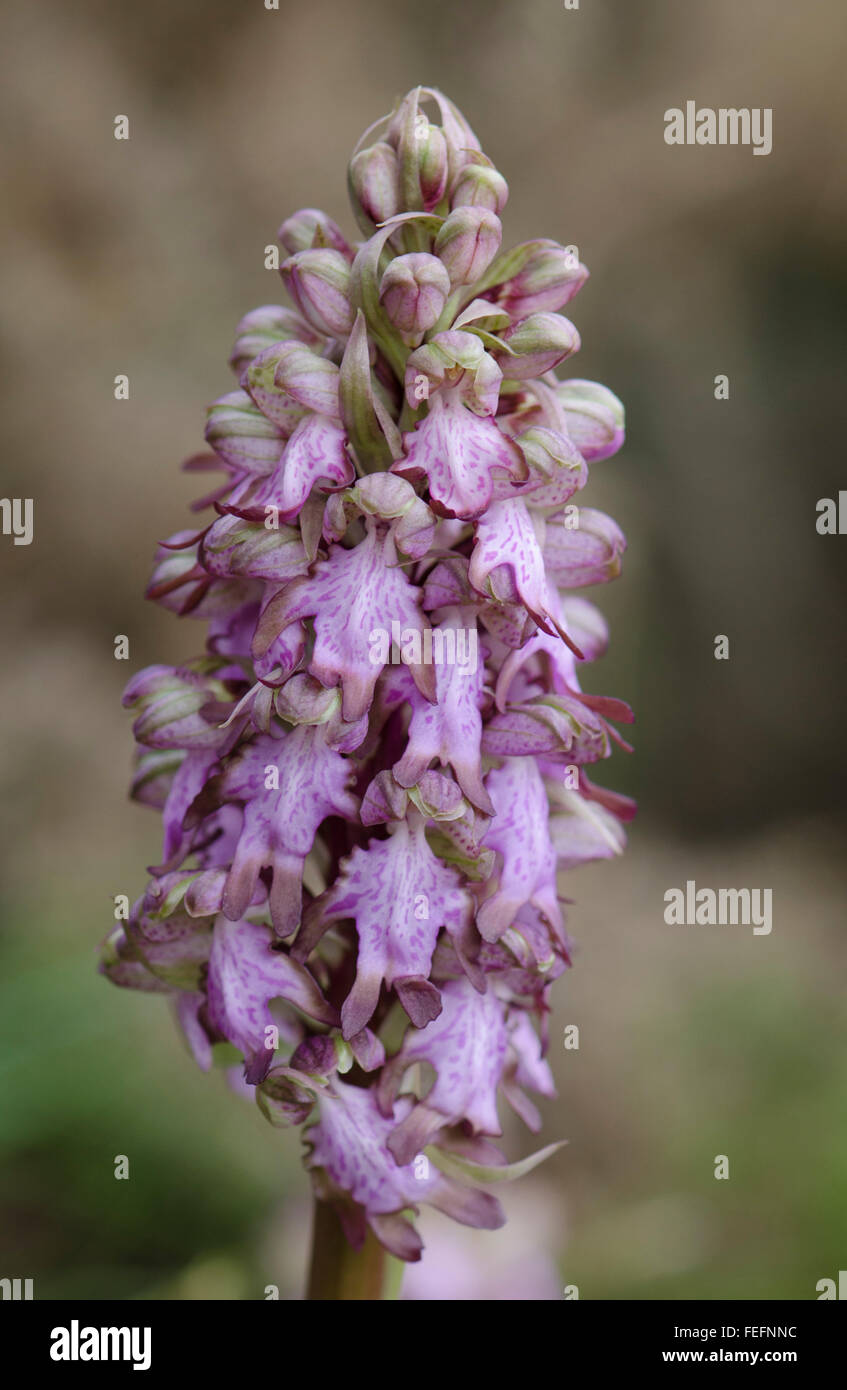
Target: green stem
<point x="449" y="312"/>
<point x="339" y="1272"/>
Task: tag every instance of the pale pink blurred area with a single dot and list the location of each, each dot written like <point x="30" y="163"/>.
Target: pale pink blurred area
<point x="517" y="1262"/>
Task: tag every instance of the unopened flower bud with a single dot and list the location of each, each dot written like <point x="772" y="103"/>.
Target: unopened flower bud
<point x="318" y="282"/>
<point x="168" y="702"/>
<point x="262" y="328"/>
<point x="594" y="416"/>
<point x="422" y="156"/>
<point x="467" y="242"/>
<point x="550" y="278"/>
<point x="432" y="166"/>
<point x="481" y="186"/>
<point x="374" y="182"/>
<point x="583" y="547"/>
<point x="287" y="378"/>
<point x="458" y="136"/>
<point x="241" y="434"/>
<point x="310" y="229"/>
<point x="539" y="343"/>
<point x="310" y="380"/>
<point x="413" y="292"/>
<point x="557" y="468"/>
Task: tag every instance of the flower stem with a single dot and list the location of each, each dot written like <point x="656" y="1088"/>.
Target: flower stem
<point x="338" y="1271"/>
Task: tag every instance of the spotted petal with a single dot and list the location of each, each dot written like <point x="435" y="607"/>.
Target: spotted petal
<point x="466" y="1046"/>
<point x="457" y="452"/>
<point x="520" y="834"/>
<point x="315" y="454"/>
<point x="352" y="595"/>
<point x="508" y="563"/>
<point x="400" y="895"/>
<point x="350" y="1159"/>
<point x="451" y="729"/>
<point x="245" y="973"/>
<point x="288" y="786"/>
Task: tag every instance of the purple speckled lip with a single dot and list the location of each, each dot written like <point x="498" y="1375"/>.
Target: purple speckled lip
<point x="358" y="890"/>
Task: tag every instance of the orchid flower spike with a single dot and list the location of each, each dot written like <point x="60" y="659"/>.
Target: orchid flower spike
<point x="372" y="776"/>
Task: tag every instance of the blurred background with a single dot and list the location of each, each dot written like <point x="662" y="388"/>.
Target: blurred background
<point x="139" y="257"/>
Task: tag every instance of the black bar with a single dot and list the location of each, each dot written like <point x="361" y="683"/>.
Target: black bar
<point x="213" y="1339"/>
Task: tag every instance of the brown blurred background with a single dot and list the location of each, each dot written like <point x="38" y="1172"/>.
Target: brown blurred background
<point x="139" y="257"/>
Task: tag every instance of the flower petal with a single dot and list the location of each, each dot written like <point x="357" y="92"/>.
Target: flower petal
<point x="520" y="834"/>
<point x="287" y="786"/>
<point x="245" y="972"/>
<point x="400" y="895"/>
<point x="314" y="454"/>
<point x="457" y="451"/>
<point x="451" y="729"/>
<point x="352" y="595"/>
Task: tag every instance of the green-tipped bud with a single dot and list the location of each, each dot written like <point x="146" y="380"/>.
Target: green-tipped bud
<point x="310" y="229"/>
<point x="310" y="380"/>
<point x="480" y="185"/>
<point x="413" y="292"/>
<point x="241" y="434"/>
<point x="537" y="345"/>
<point x="319" y="284"/>
<point x="467" y="242"/>
<point x="262" y="328"/>
<point x="547" y="281"/>
<point x="458" y="136"/>
<point x="422" y="155"/>
<point x="594" y="417"/>
<point x="432" y="165"/>
<point x="374" y="183"/>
